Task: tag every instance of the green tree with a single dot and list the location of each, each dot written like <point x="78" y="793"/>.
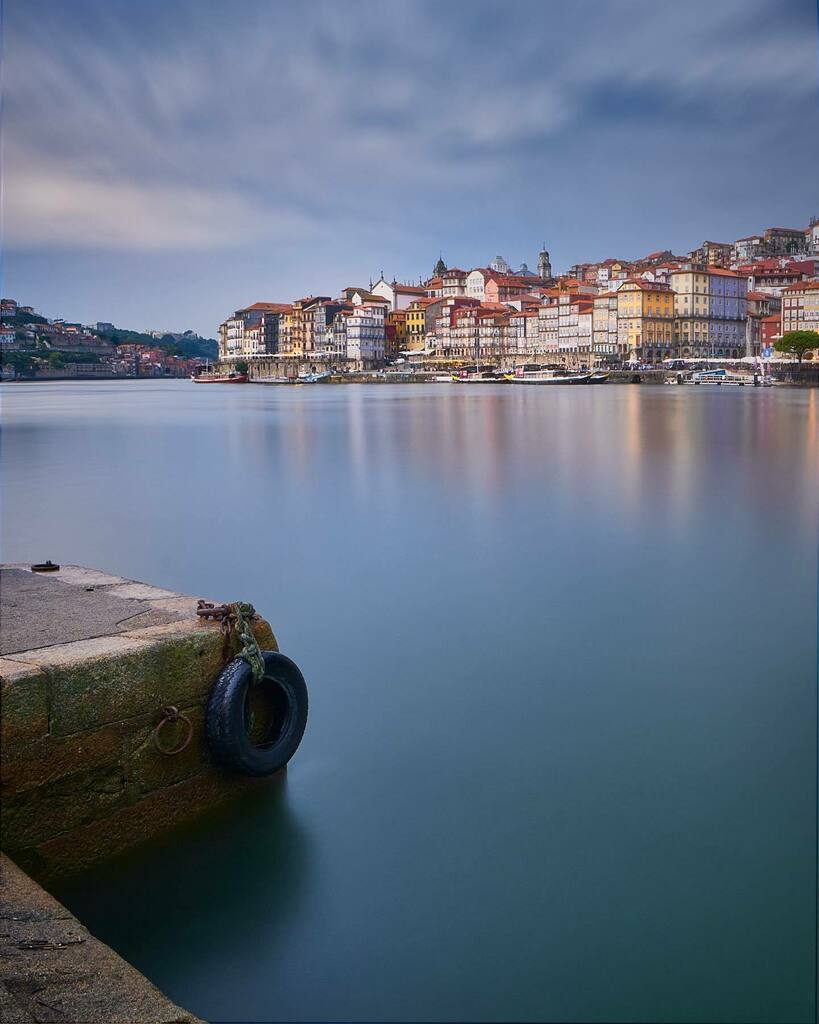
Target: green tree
<point x="241" y="366"/>
<point x="797" y="343"/>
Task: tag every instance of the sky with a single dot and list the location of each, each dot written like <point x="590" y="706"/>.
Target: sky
<point x="167" y="163"/>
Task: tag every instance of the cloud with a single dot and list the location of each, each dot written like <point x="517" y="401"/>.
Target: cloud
<point x="154" y="126"/>
<point x="65" y="209"/>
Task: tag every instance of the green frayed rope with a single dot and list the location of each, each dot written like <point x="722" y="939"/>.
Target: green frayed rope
<point x="249" y="651"/>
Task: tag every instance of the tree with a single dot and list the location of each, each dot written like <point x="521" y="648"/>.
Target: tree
<point x="241" y="366"/>
<point x="797" y="343"/>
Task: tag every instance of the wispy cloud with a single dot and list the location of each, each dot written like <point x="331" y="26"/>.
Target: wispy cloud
<point x="323" y="137"/>
<point x="214" y="120"/>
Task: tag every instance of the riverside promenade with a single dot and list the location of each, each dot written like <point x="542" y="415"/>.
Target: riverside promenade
<point x="105" y="681"/>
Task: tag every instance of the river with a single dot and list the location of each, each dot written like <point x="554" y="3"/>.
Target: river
<point x="561" y="651"/>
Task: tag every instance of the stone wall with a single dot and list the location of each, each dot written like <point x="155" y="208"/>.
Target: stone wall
<point x="81" y="776"/>
<point x="53" y="969"/>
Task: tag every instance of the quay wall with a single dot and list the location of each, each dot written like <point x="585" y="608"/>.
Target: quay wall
<point x="53" y="969"/>
<point x="88" y="663"/>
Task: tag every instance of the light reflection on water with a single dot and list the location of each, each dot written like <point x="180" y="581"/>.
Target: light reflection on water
<point x="561" y="650"/>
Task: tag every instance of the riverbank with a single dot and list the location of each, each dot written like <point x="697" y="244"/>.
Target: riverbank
<point x="792" y="376"/>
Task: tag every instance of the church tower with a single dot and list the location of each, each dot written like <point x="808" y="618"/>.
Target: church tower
<point x="544" y="267"/>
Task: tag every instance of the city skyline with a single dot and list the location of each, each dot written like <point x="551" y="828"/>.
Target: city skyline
<point x="219" y="158"/>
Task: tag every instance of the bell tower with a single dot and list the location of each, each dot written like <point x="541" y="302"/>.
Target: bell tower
<point x="544" y="267"/>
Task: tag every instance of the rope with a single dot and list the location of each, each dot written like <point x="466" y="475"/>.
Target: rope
<point x="235" y="620"/>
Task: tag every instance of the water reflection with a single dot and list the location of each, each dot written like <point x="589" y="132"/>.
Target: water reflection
<point x="239" y="873"/>
<point x="561" y="651"/>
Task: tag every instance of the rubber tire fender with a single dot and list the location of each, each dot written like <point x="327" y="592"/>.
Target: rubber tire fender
<point x="225" y="725"/>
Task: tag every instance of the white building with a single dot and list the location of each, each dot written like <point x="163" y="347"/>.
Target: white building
<point x="365" y="335"/>
<point x="398" y="295"/>
<point x="476" y="282"/>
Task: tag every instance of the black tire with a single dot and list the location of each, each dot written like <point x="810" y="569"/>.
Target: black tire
<point x="284" y="692"/>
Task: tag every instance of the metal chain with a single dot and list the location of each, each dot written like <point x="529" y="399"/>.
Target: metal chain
<point x="235" y="620"/>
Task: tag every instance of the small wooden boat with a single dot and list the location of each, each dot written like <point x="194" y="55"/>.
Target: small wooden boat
<point x="484" y="377"/>
<point x="219" y="378"/>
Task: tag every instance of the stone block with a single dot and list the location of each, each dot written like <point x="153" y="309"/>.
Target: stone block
<point x="155" y="812"/>
<point x="24" y="705"/>
<point x="140" y="679"/>
<point x="35" y="815"/>
<point x="51" y="758"/>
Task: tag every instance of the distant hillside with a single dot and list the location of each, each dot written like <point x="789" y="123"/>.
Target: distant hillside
<point x="20" y="319"/>
<point x="203" y="348"/>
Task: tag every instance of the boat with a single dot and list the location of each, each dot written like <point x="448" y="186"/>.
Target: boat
<point x="727" y="378"/>
<point x="598" y="377"/>
<point x="552" y="377"/>
<point x="483" y="377"/>
<point x="210" y="377"/>
<point x="444" y="378"/>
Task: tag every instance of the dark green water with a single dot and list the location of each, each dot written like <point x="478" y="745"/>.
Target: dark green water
<point x="561" y="649"/>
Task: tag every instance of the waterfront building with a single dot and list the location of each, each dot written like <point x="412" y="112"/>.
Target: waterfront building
<point x="800" y="307"/>
<point x="605" y="347"/>
<point x="645" y="319"/>
<point x="364" y="328"/>
<point x="761" y="309"/>
<point x="548" y="330"/>
<point x="710" y="307"/>
<point x="395" y="333"/>
<point x="416" y="324"/>
<point x="575" y="327"/>
<point x="251" y="331"/>
<point x="770" y="331"/>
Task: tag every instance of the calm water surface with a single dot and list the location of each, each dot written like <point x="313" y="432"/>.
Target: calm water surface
<point x="561" y="649"/>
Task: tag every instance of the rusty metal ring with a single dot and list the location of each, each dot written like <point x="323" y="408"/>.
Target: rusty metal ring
<point x="172" y="714"/>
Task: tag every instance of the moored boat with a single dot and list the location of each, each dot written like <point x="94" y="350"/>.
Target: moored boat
<point x="484" y="377"/>
<point x="550" y="377"/>
<point x="727" y="378"/>
<point x="219" y="378"/>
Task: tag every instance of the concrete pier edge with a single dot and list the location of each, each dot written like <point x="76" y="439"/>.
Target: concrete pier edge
<point x="88" y="661"/>
<point x="53" y="969"/>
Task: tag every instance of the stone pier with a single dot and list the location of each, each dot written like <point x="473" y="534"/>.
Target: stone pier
<point x="88" y="663"/>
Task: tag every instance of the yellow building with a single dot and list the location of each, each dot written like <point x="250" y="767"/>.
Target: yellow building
<point x="286" y="332"/>
<point x="645" y="319"/>
<point x="415" y="324"/>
